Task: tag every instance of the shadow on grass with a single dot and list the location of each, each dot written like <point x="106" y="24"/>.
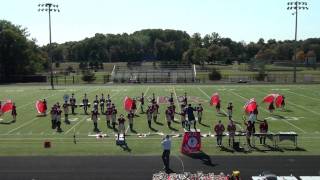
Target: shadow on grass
<point x="203" y="157"/>
<point x="205" y="125"/>
<point x="153" y="129"/>
<point x="125" y="147"/>
<point x="158" y="123"/>
<point x="7" y="123"/>
<point x="172" y="128"/>
<point x="221" y="115"/>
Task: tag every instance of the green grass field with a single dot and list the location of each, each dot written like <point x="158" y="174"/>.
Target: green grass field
<point x="26" y="136"/>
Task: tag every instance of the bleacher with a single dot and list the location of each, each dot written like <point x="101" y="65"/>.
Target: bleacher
<point x="148" y="73"/>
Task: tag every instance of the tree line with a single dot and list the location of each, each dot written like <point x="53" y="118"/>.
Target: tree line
<point x="20" y="55"/>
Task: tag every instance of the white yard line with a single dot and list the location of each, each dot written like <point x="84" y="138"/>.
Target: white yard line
<point x="22" y="125"/>
<point x="268" y="112"/>
<point x="75" y="125"/>
<point x="127" y="129"/>
<point x="175" y="94"/>
<point x="316" y="99"/>
<point x="178" y="157"/>
<point x="314" y="112"/>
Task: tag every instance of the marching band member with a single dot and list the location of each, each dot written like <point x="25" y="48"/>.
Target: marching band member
<point x="283" y="103"/>
<point x="183" y="114"/>
<point x="185" y="99"/>
<point x="53" y="117"/>
<point x="96" y="103"/>
<point x="114" y="116"/>
<point x="58" y="118"/>
<point x="102" y="101"/>
<point x="155" y="111"/>
<point x="13" y="112"/>
<point x="121" y="127"/>
<point x="45" y="107"/>
<point x="249" y="131"/>
<point x="109" y="114"/>
<point x="191" y="118"/>
<point x="271" y="107"/>
<point x="230" y="110"/>
<point x="85" y="103"/>
<point x="169" y="114"/>
<point x="232" y="131"/>
<point x="218" y="106"/>
<point x="141" y="103"/>
<point x="199" y="113"/>
<point x="134" y="106"/>
<point x="170" y="100"/>
<point x="130" y="118"/>
<point x="108" y="101"/>
<point x="72" y="101"/>
<point x="66" y="112"/>
<point x="219" y="129"/>
<point x="149" y="115"/>
<point x="263" y="129"/>
<point x="94" y="118"/>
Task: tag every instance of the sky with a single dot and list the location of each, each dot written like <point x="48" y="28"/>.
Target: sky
<point x="240" y="20"/>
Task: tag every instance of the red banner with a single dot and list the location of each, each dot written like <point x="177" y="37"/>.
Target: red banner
<point x="191" y="142"/>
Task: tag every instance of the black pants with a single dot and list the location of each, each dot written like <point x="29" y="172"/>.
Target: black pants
<point x="165" y="159"/>
<point x="219" y="140"/>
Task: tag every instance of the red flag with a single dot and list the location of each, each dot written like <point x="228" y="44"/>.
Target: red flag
<point x="191" y="142"/>
<point x="214" y="99"/>
<point x="250" y="105"/>
<point x="7" y="106"/>
<point x="127" y="103"/>
<point x="270" y="98"/>
<point x="40" y="106"/>
<point x="278" y="101"/>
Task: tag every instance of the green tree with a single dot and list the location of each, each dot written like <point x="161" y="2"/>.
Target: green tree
<point x="18" y="55"/>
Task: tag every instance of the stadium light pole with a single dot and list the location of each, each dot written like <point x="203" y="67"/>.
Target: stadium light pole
<point x="49" y="7"/>
<point x="296" y="6"/>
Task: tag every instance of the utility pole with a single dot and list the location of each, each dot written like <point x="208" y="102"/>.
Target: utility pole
<point x="50" y="8"/>
<point x="296" y="6"/>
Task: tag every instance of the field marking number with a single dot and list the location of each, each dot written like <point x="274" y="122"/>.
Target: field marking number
<point x="284" y="118"/>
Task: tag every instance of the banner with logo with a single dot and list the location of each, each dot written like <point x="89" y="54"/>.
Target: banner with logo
<point x="191" y="142"/>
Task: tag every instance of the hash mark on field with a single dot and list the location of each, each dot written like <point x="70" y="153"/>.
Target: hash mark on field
<point x="22" y="125"/>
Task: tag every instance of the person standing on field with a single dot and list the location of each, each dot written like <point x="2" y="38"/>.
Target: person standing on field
<point x="72" y="101"/>
<point x="114" y="116"/>
<point x="14" y="112"/>
<point x="102" y="101"/>
<point x="230" y="110"/>
<point x="130" y="118"/>
<point x="219" y="129"/>
<point x="149" y="116"/>
<point x="66" y="112"/>
<point x="232" y="132"/>
<point x="166" y="146"/>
